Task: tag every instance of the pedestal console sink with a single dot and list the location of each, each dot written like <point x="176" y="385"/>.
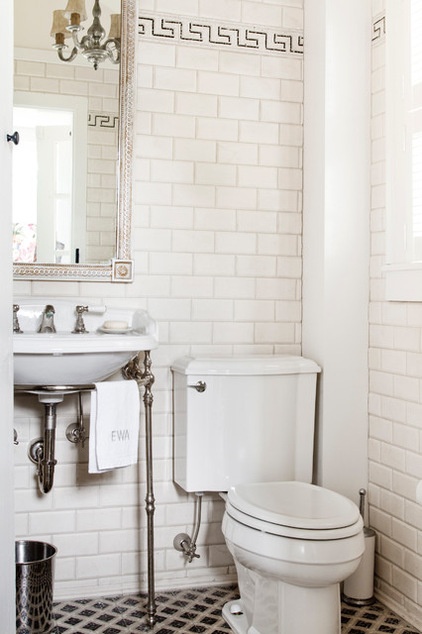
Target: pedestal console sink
<point x="63" y="358"/>
<point x="60" y="347"/>
<point x="58" y="361"/>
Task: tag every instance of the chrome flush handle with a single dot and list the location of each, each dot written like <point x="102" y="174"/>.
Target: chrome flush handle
<point x="200" y="386"/>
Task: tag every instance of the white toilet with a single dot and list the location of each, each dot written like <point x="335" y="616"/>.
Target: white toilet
<point x="245" y="425"/>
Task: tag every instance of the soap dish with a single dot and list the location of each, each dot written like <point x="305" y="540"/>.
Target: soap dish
<point x="115" y="331"/>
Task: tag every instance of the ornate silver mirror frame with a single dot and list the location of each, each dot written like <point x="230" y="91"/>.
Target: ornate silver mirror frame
<point x="120" y="269"/>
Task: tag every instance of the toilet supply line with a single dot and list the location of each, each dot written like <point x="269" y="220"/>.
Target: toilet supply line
<point x="185" y="544"/>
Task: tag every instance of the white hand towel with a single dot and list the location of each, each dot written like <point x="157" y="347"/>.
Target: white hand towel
<point x="114" y="425"/>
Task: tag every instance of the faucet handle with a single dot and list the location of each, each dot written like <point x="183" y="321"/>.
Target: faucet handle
<point x="80" y="325"/>
<point x="16" y="326"/>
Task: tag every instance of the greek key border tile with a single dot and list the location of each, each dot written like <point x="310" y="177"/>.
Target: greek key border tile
<point x="378" y="29"/>
<point x="239" y="36"/>
<point x="209" y="33"/>
<point x="103" y="120"/>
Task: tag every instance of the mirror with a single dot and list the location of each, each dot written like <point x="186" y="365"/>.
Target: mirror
<point x="95" y="242"/>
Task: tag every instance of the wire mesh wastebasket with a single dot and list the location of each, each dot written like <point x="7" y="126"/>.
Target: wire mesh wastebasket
<point x="34" y="586"/>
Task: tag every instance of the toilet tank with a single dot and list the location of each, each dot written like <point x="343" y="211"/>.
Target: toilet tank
<point x="243" y="419"/>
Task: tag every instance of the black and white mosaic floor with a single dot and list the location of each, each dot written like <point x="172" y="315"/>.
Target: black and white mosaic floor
<point x="195" y="610"/>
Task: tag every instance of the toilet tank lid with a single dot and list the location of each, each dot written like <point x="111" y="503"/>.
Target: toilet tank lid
<point x="245" y="365"/>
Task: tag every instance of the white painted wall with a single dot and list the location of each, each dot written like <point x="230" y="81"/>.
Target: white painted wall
<point x="336" y="231"/>
<point x="7" y="549"/>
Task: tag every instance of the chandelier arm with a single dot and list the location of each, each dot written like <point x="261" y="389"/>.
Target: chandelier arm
<point x="112" y="46"/>
<point x="80" y="45"/>
<point x="71" y="57"/>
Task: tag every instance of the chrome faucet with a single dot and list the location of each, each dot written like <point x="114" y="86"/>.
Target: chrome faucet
<point x="16" y="326"/>
<point x="47" y="321"/>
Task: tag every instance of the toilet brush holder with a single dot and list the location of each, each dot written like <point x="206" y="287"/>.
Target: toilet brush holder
<point x="358" y="589"/>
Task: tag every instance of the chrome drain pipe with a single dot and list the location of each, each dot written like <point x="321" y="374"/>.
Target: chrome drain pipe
<point x="41" y="451"/>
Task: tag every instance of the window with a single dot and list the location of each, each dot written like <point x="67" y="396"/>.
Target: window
<point x="404" y="150"/>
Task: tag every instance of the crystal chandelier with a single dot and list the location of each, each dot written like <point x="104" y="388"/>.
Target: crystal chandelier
<point x="94" y="46"/>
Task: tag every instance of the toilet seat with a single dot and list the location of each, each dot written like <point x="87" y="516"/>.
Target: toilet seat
<point x="294" y="509"/>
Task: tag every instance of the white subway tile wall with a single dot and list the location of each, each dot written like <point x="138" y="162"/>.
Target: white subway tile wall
<point x="395" y="410"/>
<point x="217" y="248"/>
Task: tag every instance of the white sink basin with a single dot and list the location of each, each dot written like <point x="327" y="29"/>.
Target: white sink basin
<point x="66" y="359"/>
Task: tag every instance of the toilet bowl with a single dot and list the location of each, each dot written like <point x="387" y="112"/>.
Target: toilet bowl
<point x="292" y="544"/>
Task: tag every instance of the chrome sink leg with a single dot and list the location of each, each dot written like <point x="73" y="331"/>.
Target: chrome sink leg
<point x="145" y="379"/>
